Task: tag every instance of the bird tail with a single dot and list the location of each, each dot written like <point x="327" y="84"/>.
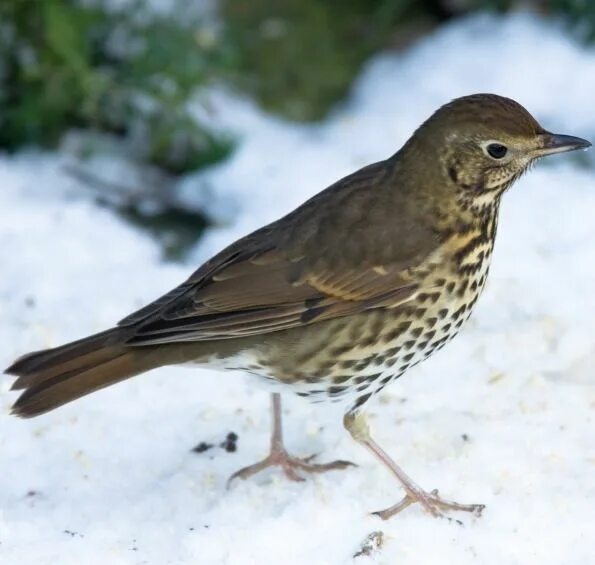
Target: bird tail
<point x="53" y="377"/>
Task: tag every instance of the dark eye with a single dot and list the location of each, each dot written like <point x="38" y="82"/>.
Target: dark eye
<point x="496" y="150"/>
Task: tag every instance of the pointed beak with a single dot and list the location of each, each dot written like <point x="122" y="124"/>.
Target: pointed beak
<point x="551" y="143"/>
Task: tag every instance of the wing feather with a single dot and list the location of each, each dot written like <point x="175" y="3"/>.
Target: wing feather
<point x="298" y="270"/>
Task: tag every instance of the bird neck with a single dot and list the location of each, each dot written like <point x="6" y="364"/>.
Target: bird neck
<point x="441" y="189"/>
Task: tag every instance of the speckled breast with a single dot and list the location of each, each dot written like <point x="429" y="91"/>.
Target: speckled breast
<point x="349" y="359"/>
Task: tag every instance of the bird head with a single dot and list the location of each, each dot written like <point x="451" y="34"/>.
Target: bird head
<point x="480" y="144"/>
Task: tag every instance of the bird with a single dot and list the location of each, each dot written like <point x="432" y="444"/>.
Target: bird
<point x="340" y="297"/>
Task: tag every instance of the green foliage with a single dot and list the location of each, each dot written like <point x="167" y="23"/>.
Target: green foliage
<point x="580" y="13"/>
<point x="298" y="57"/>
<point x="75" y="63"/>
<point x="177" y="230"/>
<point x="491" y="5"/>
<point x="67" y="64"/>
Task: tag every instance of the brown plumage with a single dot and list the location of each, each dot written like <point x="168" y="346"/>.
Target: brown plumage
<point x="342" y="295"/>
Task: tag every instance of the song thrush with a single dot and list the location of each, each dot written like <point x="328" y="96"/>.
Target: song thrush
<point x="341" y="296"/>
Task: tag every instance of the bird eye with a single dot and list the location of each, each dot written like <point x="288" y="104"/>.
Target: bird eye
<point x="496" y="150"/>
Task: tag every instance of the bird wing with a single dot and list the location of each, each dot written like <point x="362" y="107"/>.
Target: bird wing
<point x="296" y="271"/>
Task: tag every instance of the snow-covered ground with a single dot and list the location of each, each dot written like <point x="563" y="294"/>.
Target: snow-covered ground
<point x="503" y="416"/>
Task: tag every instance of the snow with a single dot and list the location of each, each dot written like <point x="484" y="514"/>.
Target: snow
<point x="503" y="416"/>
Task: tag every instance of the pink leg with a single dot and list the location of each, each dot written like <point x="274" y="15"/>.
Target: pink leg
<point x="278" y="456"/>
<point x="357" y="426"/>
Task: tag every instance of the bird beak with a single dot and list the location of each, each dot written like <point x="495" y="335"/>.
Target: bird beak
<point x="550" y="143"/>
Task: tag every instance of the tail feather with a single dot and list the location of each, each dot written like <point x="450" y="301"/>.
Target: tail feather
<point x="58" y="356"/>
<point x="54" y="377"/>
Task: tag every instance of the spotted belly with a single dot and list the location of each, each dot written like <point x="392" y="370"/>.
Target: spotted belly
<point x="348" y="360"/>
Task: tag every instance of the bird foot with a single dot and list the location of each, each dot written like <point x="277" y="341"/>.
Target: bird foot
<point x="431" y="503"/>
<point x="289" y="465"/>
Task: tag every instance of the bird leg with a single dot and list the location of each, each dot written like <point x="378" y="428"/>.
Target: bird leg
<point x="357" y="425"/>
<point x="278" y="456"/>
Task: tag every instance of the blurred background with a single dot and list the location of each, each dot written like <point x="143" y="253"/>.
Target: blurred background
<point x="132" y="82"/>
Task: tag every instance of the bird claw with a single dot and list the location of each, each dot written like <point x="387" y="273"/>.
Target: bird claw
<point x="289" y="465"/>
<point x="432" y="504"/>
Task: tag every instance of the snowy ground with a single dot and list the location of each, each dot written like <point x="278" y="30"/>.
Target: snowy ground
<point x="504" y="416"/>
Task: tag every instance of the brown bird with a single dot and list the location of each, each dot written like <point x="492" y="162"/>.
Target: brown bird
<point x="340" y="297"/>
